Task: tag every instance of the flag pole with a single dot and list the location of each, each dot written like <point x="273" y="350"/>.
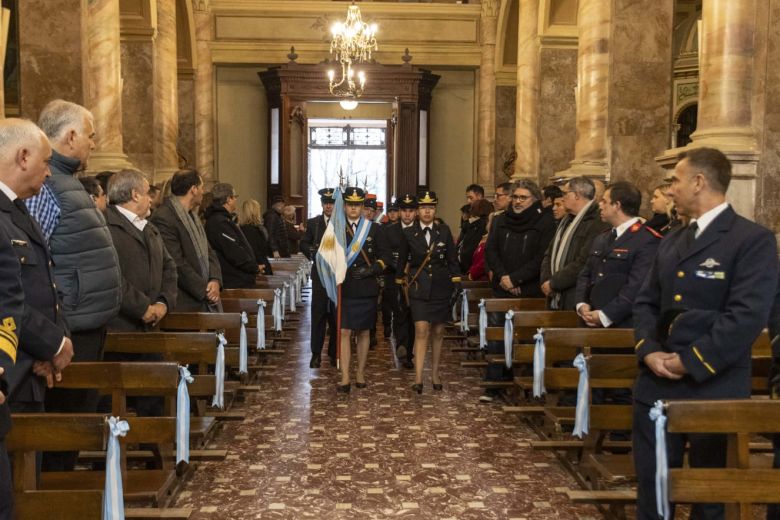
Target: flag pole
<point x="338" y="327"/>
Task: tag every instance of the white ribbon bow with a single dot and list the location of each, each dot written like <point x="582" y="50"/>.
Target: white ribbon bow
<point x="113" y="495"/>
<point x="243" y="346"/>
<point x="464" y="311"/>
<point x="539" y="356"/>
<point x="661" y="461"/>
<point x="509" y="336"/>
<point x="276" y="310"/>
<point x="183" y="416"/>
<point x="582" y="413"/>
<point x="483" y="323"/>
<point x="219" y="371"/>
<point x="261" y="324"/>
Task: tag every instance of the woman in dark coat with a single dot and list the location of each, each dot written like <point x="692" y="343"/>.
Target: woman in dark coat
<point x="664" y="217"/>
<point x="433" y="277"/>
<point x="473" y="231"/>
<point x="255" y="233"/>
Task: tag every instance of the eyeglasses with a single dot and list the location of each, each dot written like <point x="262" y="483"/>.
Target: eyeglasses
<point x="497" y="195"/>
<point x="522" y="198"/>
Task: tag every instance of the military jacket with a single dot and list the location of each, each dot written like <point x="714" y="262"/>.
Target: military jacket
<point x="433" y="279"/>
<point x="360" y="282"/>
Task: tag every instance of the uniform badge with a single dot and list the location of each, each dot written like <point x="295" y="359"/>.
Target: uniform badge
<point x="710" y="263"/>
<point x="18" y="243"/>
<point x="440" y="244"/>
<point x="355" y="247"/>
<point x="711" y="275"/>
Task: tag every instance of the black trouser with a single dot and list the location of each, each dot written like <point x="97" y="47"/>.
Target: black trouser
<point x="495" y="371"/>
<point x="389" y="304"/>
<point x="322" y="314"/>
<point x="705" y="451"/>
<point x="87" y="346"/>
<point x="6" y="485"/>
<point x="403" y="329"/>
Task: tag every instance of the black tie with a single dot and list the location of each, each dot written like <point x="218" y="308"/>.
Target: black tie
<point x="612" y="236"/>
<point x="354" y="226"/>
<point x="19" y="203"/>
<point x="427" y="235"/>
<point x="689" y="236"/>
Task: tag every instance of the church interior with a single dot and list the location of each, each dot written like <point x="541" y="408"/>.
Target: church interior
<point x="454" y="92"/>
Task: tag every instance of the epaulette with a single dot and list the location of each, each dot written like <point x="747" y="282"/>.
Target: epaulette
<point x="653" y="232"/>
<point x="635" y="227"/>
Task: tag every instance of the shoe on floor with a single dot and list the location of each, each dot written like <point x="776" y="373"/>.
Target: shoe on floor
<point x="485" y="399"/>
<point x="400" y="352"/>
<point x="408" y="364"/>
<point x="316" y="361"/>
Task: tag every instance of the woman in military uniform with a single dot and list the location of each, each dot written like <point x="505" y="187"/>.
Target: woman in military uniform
<point x="428" y="256"/>
<point x="366" y="260"/>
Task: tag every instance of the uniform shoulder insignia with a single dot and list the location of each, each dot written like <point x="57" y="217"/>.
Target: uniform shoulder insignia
<point x="634" y="228"/>
<point x="653" y="232"/>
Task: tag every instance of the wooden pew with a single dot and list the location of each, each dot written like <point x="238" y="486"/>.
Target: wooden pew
<point x="68" y="432"/>
<point x="747" y="480"/>
<point x="186" y="348"/>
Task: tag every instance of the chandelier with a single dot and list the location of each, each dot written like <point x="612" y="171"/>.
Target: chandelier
<point x="352" y="44"/>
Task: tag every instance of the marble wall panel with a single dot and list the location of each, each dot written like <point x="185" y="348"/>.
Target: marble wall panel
<point x="186" y="142"/>
<point x="557" y="111"/>
<point x="639" y="98"/>
<point x="137" y="103"/>
<point x="767" y="211"/>
<point x="505" y="131"/>
<point x="50" y="52"/>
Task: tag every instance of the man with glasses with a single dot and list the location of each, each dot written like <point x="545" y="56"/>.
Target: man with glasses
<point x="502" y="197"/>
<point x="569" y="249"/>
<point x="514" y="251"/>
<point x="235" y="254"/>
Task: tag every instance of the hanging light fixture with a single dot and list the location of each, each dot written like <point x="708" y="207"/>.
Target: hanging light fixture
<point x="352" y="44"/>
<point x="348" y="104"/>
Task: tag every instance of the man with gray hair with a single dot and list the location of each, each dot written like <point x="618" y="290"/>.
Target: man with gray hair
<point x="567" y="253"/>
<point x="236" y="257"/>
<point x="86" y="266"/>
<point x="148" y="271"/>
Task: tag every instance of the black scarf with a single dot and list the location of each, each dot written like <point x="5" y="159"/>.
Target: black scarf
<point x="523" y="221"/>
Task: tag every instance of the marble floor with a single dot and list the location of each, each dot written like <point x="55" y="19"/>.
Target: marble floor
<point x="305" y="451"/>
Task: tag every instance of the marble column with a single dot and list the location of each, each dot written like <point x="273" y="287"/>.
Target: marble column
<point x="726" y="60"/>
<point x="204" y="94"/>
<point x="592" y="96"/>
<point x="486" y="163"/>
<point x="103" y="89"/>
<point x="166" y="107"/>
<point x="527" y="112"/>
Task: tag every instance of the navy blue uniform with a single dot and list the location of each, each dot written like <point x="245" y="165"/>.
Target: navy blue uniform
<point x="11" y="307"/>
<point x="43" y="324"/>
<point x="726" y="279"/>
<point x="615" y="270"/>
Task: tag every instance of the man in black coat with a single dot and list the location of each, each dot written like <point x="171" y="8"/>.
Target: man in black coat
<point x="569" y="249"/>
<point x="323" y="311"/>
<point x="715" y="282"/>
<point x="197" y="266"/>
<point x="148" y="271"/>
<point x="403" y="325"/>
<point x="277" y="232"/>
<point x="11" y="308"/>
<point x="45" y="348"/>
<point x="236" y="258"/>
<point x="619" y="261"/>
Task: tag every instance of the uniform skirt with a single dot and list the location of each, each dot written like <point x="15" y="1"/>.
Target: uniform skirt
<point x="358" y="313"/>
<point x="434" y="311"/>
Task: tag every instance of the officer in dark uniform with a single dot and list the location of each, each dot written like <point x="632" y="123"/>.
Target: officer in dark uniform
<point x="403" y="325"/>
<point x="45" y="347"/>
<point x="391" y="233"/>
<point x="619" y="261"/>
<point x="715" y="281"/>
<point x="432" y="280"/>
<point x="322" y="309"/>
<point x="11" y="305"/>
<point x="367" y="257"/>
<point x="369" y="212"/>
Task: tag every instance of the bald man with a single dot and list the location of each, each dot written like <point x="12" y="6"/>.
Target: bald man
<point x="45" y="348"/>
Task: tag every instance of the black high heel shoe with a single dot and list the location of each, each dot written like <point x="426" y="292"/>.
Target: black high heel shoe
<point x="438" y="387"/>
<point x="343" y="389"/>
<point x="361" y="385"/>
<point x="417" y="388"/>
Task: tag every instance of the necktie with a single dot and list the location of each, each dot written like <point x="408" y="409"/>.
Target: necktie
<point x="612" y="236"/>
<point x="354" y="227"/>
<point x="428" y="235"/>
<point x="19" y="203"/>
<point x="689" y="236"/>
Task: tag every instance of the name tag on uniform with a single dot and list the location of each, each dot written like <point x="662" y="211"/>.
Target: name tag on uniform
<point x="711" y="275"/>
<point x="19" y="243"/>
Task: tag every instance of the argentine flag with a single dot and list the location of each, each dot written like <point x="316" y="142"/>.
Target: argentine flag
<point x="331" y="256"/>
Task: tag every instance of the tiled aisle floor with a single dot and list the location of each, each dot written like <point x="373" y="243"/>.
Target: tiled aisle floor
<point x="305" y="451"/>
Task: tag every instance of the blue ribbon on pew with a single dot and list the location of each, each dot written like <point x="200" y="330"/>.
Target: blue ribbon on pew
<point x="483" y="323"/>
<point x="183" y="416"/>
<point x="582" y="413"/>
<point x="276" y="310"/>
<point x="661" y="462"/>
<point x="113" y="495"/>
<point x="539" y="355"/>
<point x="219" y="371"/>
<point x="464" y="312"/>
<point x="261" y="324"/>
<point x="509" y="336"/>
<point x="243" y="346"/>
